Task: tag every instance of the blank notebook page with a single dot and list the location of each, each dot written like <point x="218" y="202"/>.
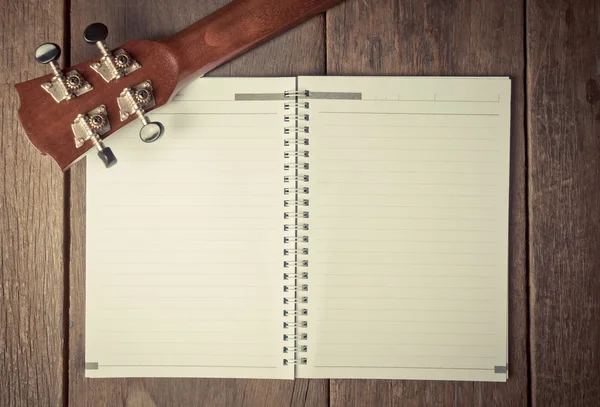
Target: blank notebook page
<point x="184" y="240"/>
<point x="408" y="263"/>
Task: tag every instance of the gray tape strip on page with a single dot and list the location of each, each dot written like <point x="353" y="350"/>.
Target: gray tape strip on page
<point x="260" y="96"/>
<point x="91" y="365"/>
<point x="501" y="369"/>
<point x="312" y="95"/>
<point x="333" y="95"/>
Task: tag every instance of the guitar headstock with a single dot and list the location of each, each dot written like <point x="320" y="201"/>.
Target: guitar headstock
<point x="71" y="110"/>
<point x="65" y="114"/>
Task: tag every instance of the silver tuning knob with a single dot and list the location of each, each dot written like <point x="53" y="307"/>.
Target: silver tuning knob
<point x="61" y="87"/>
<point x="137" y="100"/>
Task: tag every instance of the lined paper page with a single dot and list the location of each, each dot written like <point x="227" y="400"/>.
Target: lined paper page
<point x="184" y="240"/>
<point x="408" y="263"/>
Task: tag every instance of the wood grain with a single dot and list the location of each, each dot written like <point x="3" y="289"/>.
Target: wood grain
<point x="460" y="37"/>
<point x="363" y="37"/>
<point x="31" y="224"/>
<point x="300" y="51"/>
<point x="564" y="179"/>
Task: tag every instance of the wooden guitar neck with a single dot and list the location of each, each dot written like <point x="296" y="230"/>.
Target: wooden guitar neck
<point x="236" y="28"/>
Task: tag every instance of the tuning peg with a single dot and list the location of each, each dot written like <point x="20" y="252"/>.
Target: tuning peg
<point x="107" y="157"/>
<point x="137" y="100"/>
<point x="95" y="33"/>
<point x="110" y="66"/>
<point x="151" y="131"/>
<point x="48" y="53"/>
<point x="61" y="87"/>
<point x="90" y="126"/>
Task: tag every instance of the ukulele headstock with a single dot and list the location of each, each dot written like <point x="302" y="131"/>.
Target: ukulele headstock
<point x="71" y="110"/>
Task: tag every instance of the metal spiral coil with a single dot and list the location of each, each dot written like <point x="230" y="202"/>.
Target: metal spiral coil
<point x="302" y="348"/>
<point x="295" y="215"/>
<point x="296" y="105"/>
<point x="292" y="141"/>
<point x="295" y="239"/>
<point x="293" y="117"/>
<point x="302" y="226"/>
<point x="287" y="313"/>
<point x="294" y="276"/>
<point x="301" y="324"/>
<point x="290" y="154"/>
<point x="303" y="250"/>
<point x="295" y="287"/>
<point x="296" y="132"/>
<point x="301" y="263"/>
<point x="291" y="202"/>
<point x="296" y="93"/>
<point x="298" y="300"/>
<point x="295" y="166"/>
<point x="302" y="337"/>
<point x="296" y="178"/>
<point x="296" y="191"/>
<point x="301" y="361"/>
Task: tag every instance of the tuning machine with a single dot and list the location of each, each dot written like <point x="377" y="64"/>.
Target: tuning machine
<point x="61" y="86"/>
<point x="136" y="100"/>
<point x="111" y="66"/>
<point x="90" y="126"/>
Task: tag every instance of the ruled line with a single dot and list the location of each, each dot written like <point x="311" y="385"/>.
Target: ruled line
<point x="407" y="172"/>
<point x="410" y="113"/>
<point x="326" y="193"/>
<point x="400" y="206"/>
<point x="405" y="344"/>
<point x="405" y="126"/>
<point x="437" y="184"/>
<point x="362" y="240"/>
<point x="326" y="309"/>
<point x="407" y="217"/>
<point x="407" y="264"/>
<point x="183" y="366"/>
<point x="398" y="137"/>
<point x="412" y="149"/>
<point x="332" y="355"/>
<point x="401" y="367"/>
<point x="159" y="113"/>
<point x="409" y="298"/>
<point x="184" y="342"/>
<point x="429" y="286"/>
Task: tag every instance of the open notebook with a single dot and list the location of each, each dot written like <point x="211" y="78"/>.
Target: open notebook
<point x="311" y="227"/>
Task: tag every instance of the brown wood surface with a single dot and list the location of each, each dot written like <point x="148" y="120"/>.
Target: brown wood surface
<point x="32" y="359"/>
<point x="461" y="37"/>
<point x="555" y="211"/>
<point x="564" y="184"/>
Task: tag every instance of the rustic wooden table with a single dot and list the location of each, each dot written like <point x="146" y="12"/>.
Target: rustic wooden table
<point x="550" y="48"/>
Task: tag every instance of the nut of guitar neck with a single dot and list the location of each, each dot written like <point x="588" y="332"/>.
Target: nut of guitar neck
<point x="111" y="66"/>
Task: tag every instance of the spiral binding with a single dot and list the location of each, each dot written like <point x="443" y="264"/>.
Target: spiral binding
<point x="303" y="166"/>
<point x="296" y="136"/>
<point x="302" y="202"/>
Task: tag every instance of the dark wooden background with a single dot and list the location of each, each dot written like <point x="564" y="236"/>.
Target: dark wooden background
<point x="550" y="48"/>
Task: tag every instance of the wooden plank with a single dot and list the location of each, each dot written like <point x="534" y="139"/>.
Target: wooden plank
<point x="563" y="74"/>
<point x="300" y="51"/>
<point x="31" y="223"/>
<point x="462" y="37"/>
